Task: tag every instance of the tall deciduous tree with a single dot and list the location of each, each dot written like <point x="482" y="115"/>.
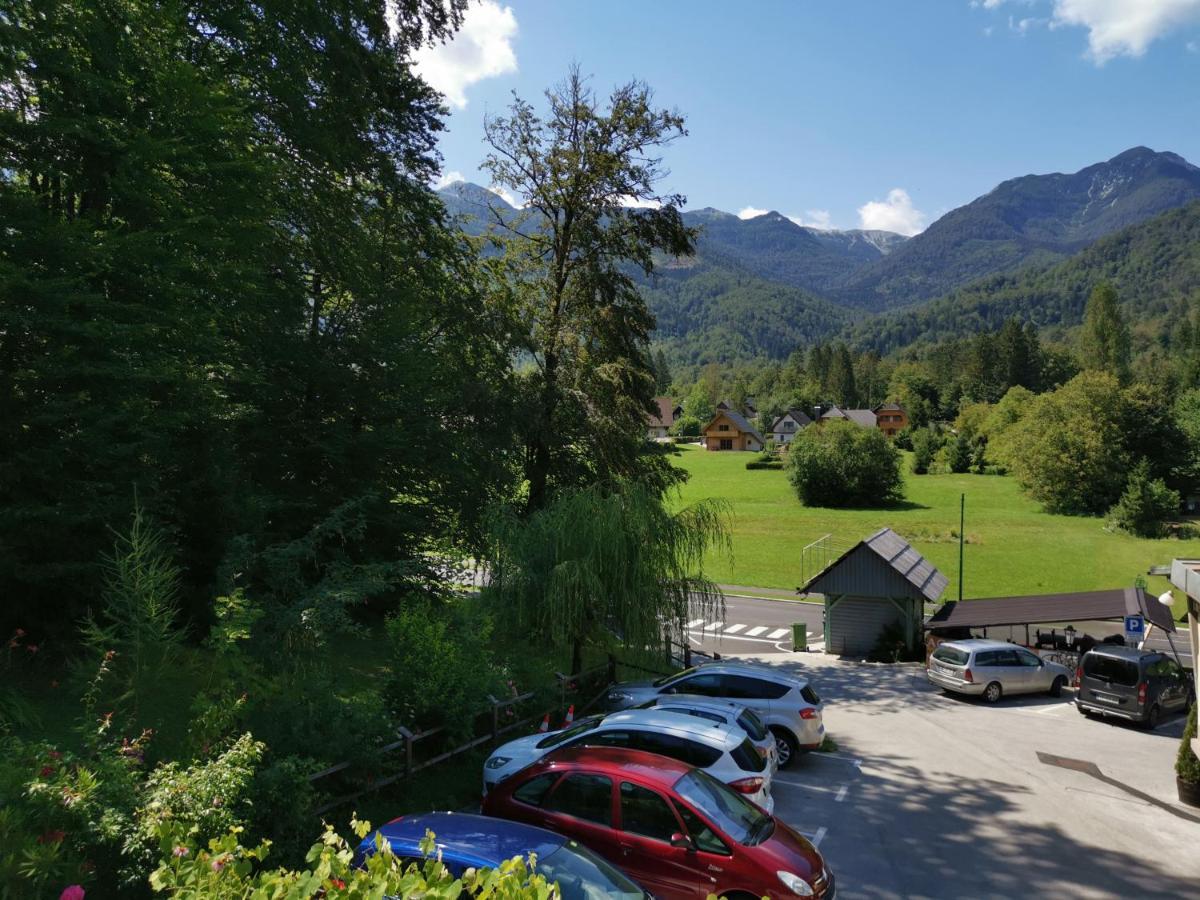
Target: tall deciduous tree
<point x="1105" y="342"/>
<point x="588" y="174"/>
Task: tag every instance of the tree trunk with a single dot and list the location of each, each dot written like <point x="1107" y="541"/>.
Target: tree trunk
<point x="537" y="466"/>
<point x="577" y="656"/>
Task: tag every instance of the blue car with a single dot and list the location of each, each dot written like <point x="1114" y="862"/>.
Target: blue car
<point x="468" y="841"/>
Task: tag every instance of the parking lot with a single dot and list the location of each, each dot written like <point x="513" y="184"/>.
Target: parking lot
<point x="929" y="795"/>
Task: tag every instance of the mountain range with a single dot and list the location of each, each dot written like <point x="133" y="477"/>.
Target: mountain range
<point x="763" y="286"/>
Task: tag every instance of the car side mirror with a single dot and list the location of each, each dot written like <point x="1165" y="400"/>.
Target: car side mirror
<point x="679" y="839"/>
<point x="670" y="690"/>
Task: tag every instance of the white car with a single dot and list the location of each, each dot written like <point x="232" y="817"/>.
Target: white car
<point x="725" y="711"/>
<point x="722" y="750"/>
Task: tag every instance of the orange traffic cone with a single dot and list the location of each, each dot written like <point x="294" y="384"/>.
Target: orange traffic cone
<point x="545" y="726"/>
<point x="570" y="716"/>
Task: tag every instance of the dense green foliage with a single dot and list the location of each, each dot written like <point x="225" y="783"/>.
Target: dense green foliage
<point x="843" y="464"/>
<point x="1146" y="505"/>
<point x="1187" y="764"/>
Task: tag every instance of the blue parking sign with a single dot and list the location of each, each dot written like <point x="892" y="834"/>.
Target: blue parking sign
<point x="1135" y="625"/>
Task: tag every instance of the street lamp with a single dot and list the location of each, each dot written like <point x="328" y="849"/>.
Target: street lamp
<point x="1069" y="631"/>
<point x="1166" y="598"/>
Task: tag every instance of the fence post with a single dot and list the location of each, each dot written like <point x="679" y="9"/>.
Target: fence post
<point x="408" y="750"/>
<point x="687" y="655"/>
<point x="612" y="669"/>
<point x="495" y="717"/>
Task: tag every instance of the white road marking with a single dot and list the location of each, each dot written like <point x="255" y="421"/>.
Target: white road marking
<point x="841" y="794"/>
<point x="818" y="837"/>
<point x="734" y="629"/>
<point x="777" y="633"/>
<point x="1052" y="707"/>
<point x="713" y="626"/>
<point x="756" y="630"/>
<point x="695" y="623"/>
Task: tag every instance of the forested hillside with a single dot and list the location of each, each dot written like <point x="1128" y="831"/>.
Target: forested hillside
<point x="1155" y="267"/>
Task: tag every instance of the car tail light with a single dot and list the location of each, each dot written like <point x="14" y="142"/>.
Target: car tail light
<point x="1079" y="674"/>
<point x="1142" y="694"/>
<point x="747" y="785"/>
<point x="967" y="676"/>
<point x="808" y="713"/>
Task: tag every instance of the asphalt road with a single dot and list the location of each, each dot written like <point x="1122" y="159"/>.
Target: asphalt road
<point x="751" y="625"/>
<point x="932" y="796"/>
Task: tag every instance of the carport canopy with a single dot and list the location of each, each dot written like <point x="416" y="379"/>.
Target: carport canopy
<point x="1038" y="609"/>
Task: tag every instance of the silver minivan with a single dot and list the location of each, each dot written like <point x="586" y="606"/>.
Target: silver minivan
<point x="991" y="669"/>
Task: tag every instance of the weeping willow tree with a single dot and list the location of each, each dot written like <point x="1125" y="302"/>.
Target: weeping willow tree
<point x="609" y="564"/>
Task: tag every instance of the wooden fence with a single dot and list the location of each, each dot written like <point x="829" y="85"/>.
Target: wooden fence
<point x="409" y="744"/>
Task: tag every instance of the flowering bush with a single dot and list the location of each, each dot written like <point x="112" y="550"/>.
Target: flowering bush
<point x="223" y="868"/>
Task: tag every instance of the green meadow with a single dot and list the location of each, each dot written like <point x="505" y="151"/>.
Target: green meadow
<point x="1012" y="546"/>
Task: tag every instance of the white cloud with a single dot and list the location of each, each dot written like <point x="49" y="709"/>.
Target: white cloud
<point x="894" y="214"/>
<point x="819" y="219"/>
<point x="1023" y="26"/>
<point x="481" y="49"/>
<point x="1124" y="27"/>
<point x="448" y="178"/>
<point x="752" y="212"/>
<point x="638" y="203"/>
<point x="506" y="196"/>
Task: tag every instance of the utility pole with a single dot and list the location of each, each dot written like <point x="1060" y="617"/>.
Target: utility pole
<point x="962" y="518"/>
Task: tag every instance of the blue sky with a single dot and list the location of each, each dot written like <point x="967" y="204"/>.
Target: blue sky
<point x="876" y="113"/>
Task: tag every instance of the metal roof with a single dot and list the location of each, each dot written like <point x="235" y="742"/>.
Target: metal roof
<point x="739" y="422"/>
<point x="1047" y="608"/>
<point x="921" y="576"/>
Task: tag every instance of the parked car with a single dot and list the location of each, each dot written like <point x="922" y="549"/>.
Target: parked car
<point x="676" y="830"/>
<point x="1139" y="685"/>
<point x="991" y="669"/>
<point x="722" y="750"/>
<point x="787" y="705"/>
<point x="727" y="711"/>
<point x="467" y="841"/>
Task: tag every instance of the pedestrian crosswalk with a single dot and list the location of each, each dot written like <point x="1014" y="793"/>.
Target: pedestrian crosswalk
<point x="739" y="629"/>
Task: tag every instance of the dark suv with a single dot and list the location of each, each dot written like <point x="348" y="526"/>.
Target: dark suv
<point x="1139" y="685"/>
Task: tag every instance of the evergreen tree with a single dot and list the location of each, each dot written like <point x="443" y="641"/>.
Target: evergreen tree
<point x="841" y="386"/>
<point x="1105" y="341"/>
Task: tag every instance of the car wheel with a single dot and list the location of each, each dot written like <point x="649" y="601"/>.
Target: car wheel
<point x="1056" y="689"/>
<point x="786" y="746"/>
<point x="993" y="692"/>
<point x="1153" y="717"/>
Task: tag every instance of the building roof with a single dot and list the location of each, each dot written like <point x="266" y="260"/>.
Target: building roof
<point x="890" y="406"/>
<point x="917" y="576"/>
<point x="864" y="417"/>
<point x="1034" y="609"/>
<point x="801" y="419"/>
<point x="739" y="422"/>
<point x="665" y="414"/>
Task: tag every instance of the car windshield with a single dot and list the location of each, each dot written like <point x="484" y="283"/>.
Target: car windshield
<point x="752" y="725"/>
<point x="582" y="875"/>
<point x="668" y="679"/>
<point x="583" y="725"/>
<point x="1110" y="669"/>
<point x="951" y="655"/>
<point x="740" y="819"/>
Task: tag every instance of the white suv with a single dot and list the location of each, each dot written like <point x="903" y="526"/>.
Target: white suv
<point x="728" y="712"/>
<point x="787" y="705"/>
<point x="722" y="750"/>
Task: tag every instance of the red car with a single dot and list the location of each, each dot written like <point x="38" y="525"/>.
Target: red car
<point x="675" y="830"/>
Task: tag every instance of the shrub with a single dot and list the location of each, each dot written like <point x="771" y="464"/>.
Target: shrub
<point x="925" y="444"/>
<point x="764" y="464"/>
<point x="686" y="426"/>
<point x="843" y="464"/>
<point x="1146" y="505"/>
<point x="958" y="454"/>
<point x="442" y="665"/>
<point x="904" y="438"/>
<point x="1187" y="765"/>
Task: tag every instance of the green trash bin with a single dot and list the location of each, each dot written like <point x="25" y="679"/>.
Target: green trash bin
<point x="799" y="637"/>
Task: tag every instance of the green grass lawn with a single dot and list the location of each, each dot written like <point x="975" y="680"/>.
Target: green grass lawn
<point x="1012" y="546"/>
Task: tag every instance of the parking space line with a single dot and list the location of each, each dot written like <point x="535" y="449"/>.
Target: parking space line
<point x="818" y="837"/>
<point x="1052" y="707"/>
<point x="819" y="788"/>
<point x="734" y="629"/>
<point x="841" y="794"/>
<point x="777" y="633"/>
<point x="756" y="630"/>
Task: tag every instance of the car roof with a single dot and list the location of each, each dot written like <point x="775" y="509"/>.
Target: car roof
<point x="468" y="839"/>
<point x="698" y="701"/>
<point x="767" y="673"/>
<point x="716" y="734"/>
<point x="637" y="765"/>
<point x="1131" y="653"/>
<point x="978" y="644"/>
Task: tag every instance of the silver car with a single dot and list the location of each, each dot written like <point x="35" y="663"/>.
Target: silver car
<point x="727" y="712"/>
<point x="786" y="704"/>
<point x="991" y="669"/>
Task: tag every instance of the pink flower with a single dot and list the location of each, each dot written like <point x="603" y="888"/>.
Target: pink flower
<point x="20" y="632"/>
<point x="72" y="892"/>
<point x="54" y="754"/>
<point x="32" y="648"/>
<point x="179" y="852"/>
<point x="47" y="771"/>
<point x="218" y="863"/>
